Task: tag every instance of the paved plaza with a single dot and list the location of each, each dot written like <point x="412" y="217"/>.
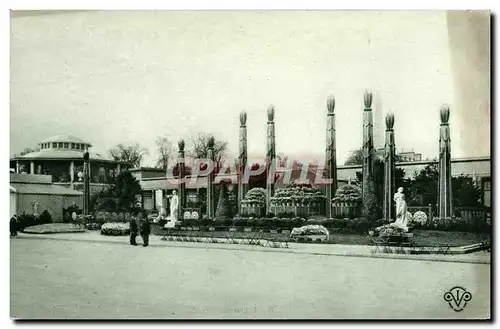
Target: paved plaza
<point x="76" y="279"/>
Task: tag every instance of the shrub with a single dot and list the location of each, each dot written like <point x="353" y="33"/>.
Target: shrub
<point x="45" y="218"/>
<point x="115" y="229"/>
<point x="223" y="204"/>
<point x="26" y="220"/>
<point x="371" y="207"/>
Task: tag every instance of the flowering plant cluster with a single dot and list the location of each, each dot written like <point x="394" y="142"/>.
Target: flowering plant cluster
<point x="115" y="229"/>
<point x="309" y="230"/>
<point x="348" y="193"/>
<point x="255" y="197"/>
<point x="191" y="215"/>
<point x="297" y="195"/>
<point x="419" y="217"/>
<point x="388" y="230"/>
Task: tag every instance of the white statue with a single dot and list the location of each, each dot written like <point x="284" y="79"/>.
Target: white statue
<point x="401" y="210"/>
<point x="174" y="210"/>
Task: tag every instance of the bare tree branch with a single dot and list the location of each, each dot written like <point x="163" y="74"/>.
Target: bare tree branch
<point x="165" y="152"/>
<point x="131" y="154"/>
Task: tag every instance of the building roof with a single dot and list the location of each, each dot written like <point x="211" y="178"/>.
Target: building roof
<point x="65" y="138"/>
<point x="50" y="189"/>
<point x="51" y="154"/>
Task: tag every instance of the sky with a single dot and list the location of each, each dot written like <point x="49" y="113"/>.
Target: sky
<point x="132" y="76"/>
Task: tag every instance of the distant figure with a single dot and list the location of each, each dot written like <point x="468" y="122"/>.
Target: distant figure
<point x="401" y="210"/>
<point x="13" y="225"/>
<point x="134" y="230"/>
<point x="145" y="229"/>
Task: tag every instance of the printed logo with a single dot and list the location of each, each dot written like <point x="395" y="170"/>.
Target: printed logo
<point x="457" y="298"/>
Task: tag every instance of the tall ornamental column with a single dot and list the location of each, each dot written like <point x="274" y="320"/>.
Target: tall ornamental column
<point x="242" y="159"/>
<point x="210" y="180"/>
<point x="270" y="157"/>
<point x="331" y="155"/>
<point x="182" y="185"/>
<point x="72" y="172"/>
<point x="86" y="183"/>
<point x="369" y="201"/>
<point x="389" y="168"/>
<point x="445" y="201"/>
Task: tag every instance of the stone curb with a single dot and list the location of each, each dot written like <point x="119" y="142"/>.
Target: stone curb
<point x="227" y="246"/>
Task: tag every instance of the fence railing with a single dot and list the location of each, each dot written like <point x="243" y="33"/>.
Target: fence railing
<point x="346" y="210"/>
<point x="297" y="210"/>
<point x="252" y="210"/>
<point x="472" y="215"/>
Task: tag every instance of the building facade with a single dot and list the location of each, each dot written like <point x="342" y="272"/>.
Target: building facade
<point x="61" y="157"/>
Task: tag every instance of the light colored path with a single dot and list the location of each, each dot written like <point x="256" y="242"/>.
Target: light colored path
<point x="68" y="279"/>
<point x="303" y="248"/>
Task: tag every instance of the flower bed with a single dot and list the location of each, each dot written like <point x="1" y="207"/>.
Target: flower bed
<point x="389" y="231"/>
<point x="53" y="228"/>
<point x="115" y="229"/>
<point x="309" y="230"/>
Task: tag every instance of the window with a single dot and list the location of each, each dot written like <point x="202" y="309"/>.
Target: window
<point x="59" y="145"/>
<point x="487" y="192"/>
<point x="72" y="145"/>
<point x="66" y="145"/>
<point x="77" y="146"/>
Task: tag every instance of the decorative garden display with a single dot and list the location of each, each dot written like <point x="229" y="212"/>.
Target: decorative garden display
<point x="301" y="199"/>
<point x="310" y="233"/>
<point x="254" y="202"/>
<point x="115" y="229"/>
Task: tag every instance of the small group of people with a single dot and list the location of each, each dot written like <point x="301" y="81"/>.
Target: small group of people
<point x="140" y="226"/>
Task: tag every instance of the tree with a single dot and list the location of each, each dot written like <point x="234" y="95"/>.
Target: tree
<point x="465" y="193"/>
<point x="378" y="188"/>
<point x="165" y="151"/>
<point x="355" y="158"/>
<point x="131" y="154"/>
<point x="118" y="197"/>
<point x="281" y="160"/>
<point x="199" y="149"/>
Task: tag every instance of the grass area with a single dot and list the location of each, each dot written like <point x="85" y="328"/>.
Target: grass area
<point x="54" y="228"/>
<point x="421" y="237"/>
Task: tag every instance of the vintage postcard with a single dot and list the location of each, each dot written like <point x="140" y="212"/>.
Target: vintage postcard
<point x="250" y="165"/>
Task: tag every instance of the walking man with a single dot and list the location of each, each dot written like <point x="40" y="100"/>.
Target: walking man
<point x="134" y="228"/>
<point x="145" y="229"/>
